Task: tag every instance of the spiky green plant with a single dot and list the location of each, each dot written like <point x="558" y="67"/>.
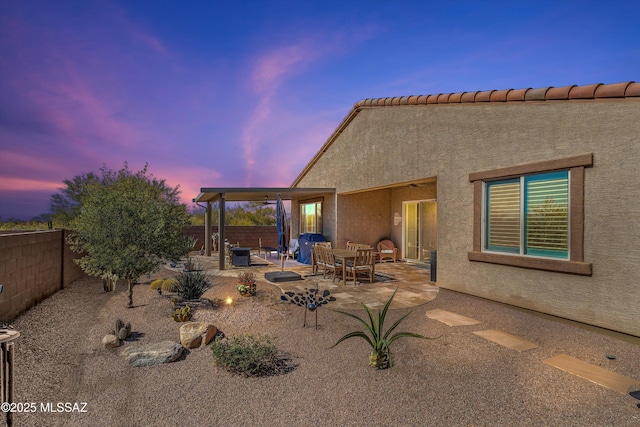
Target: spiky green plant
<point x="379" y="340"/>
<point x="191" y="285"/>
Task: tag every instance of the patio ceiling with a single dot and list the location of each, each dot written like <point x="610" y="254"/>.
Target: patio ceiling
<point x="250" y="194"/>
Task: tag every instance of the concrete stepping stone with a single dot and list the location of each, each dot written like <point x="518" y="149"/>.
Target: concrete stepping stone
<point x="592" y="373"/>
<point x="507" y="340"/>
<point x="450" y="318"/>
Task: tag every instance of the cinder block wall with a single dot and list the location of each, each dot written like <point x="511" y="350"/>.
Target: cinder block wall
<point x="247" y="236"/>
<point x="33" y="266"/>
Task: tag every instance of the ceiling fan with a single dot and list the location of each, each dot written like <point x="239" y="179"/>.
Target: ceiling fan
<point x="267" y="202"/>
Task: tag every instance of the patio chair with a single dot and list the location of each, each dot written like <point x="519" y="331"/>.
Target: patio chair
<point x="293" y="249"/>
<point x="351" y="246"/>
<point x="327" y="260"/>
<point x="364" y="263"/>
<point x="387" y="250"/>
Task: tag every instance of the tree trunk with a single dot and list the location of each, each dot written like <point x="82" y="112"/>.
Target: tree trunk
<point x="130" y="293"/>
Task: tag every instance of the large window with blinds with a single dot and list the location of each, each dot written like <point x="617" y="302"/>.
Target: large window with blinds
<point x="532" y="215"/>
<point x="528" y="215"/>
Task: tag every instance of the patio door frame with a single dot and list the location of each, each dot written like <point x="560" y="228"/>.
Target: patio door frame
<point x="419" y="229"/>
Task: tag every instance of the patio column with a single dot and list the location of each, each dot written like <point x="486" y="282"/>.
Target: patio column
<point x="222" y="249"/>
<point x="207" y="230"/>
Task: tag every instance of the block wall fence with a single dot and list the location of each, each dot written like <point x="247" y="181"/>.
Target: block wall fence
<point x="35" y="265"/>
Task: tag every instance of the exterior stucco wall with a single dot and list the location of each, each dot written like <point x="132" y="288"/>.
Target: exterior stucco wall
<point x="364" y="217"/>
<point x="383" y="146"/>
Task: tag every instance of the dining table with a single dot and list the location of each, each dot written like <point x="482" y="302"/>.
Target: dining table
<point x="342" y="255"/>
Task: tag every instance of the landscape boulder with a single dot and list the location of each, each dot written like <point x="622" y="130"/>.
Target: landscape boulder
<point x="194" y="334"/>
<point x="110" y="341"/>
<point x="152" y="354"/>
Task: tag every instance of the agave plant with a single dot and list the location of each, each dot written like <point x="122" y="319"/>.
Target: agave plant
<point x="379" y="340"/>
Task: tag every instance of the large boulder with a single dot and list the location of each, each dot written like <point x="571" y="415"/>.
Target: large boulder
<point x="194" y="334"/>
<point x="152" y="354"/>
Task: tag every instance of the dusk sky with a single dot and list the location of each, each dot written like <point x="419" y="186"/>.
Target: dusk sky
<point x="244" y="93"/>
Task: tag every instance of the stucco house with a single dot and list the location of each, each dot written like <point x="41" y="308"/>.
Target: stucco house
<point x="530" y="197"/>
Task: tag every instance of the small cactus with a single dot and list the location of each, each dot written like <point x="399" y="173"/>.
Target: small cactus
<point x="182" y="314"/>
<point x="122" y="330"/>
<point x="168" y="285"/>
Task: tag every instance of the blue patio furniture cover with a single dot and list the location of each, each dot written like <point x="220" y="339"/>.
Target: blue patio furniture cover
<point x="306" y="242"/>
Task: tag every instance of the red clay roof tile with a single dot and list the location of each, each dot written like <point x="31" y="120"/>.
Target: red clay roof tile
<point x="468" y="97"/>
<point x="616" y="90"/>
<point x="633" y="89"/>
<point x="517" y="94"/>
<point x="455" y="98"/>
<point x="484" y="96"/>
<point x="432" y="99"/>
<point x="559" y="92"/>
<point x="537" y="94"/>
<point x="500" y="95"/>
<point x="583" y="92"/>
<point x="443" y="98"/>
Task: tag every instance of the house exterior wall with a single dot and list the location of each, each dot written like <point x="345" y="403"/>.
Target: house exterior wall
<point x="364" y="218"/>
<point x="450" y="141"/>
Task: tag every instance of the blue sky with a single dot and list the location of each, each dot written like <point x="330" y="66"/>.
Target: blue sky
<point x="244" y="93"/>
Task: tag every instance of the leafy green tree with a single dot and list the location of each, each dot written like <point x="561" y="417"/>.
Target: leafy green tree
<point x="66" y="203"/>
<point x="128" y="225"/>
<point x="251" y="213"/>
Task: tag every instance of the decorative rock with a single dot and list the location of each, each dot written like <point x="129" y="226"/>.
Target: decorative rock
<point x="193" y="334"/>
<point x="110" y="341"/>
<point x="152" y="354"/>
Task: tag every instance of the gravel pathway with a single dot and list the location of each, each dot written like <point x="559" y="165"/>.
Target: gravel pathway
<point x="459" y="379"/>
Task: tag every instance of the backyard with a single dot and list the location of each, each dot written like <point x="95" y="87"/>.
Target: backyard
<point x="457" y="379"/>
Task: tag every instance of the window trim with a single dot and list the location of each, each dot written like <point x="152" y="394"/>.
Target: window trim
<point x="575" y="264"/>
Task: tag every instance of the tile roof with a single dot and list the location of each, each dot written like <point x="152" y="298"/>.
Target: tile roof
<point x="593" y="91"/>
<point x="596" y="91"/>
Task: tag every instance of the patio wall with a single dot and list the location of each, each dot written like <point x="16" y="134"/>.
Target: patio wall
<point x="247" y="236"/>
<point x="33" y="266"/>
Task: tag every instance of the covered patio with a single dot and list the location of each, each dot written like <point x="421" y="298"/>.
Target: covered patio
<point x="222" y="195"/>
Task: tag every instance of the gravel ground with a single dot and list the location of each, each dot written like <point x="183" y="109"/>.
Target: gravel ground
<point x="458" y="379"/>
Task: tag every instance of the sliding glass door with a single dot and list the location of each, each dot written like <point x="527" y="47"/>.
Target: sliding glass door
<point x="420" y="230"/>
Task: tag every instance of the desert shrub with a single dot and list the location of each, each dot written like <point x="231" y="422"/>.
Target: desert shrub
<point x="191" y="285"/>
<point x="248" y="355"/>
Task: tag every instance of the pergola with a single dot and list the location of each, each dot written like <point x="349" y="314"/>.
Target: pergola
<point x="248" y="194"/>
